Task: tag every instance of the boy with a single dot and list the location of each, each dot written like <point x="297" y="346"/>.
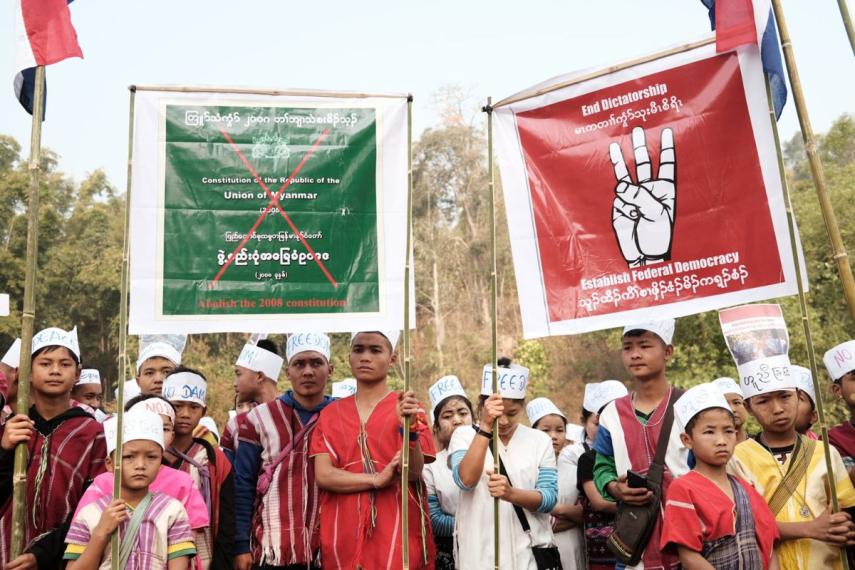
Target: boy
<point x="840" y="363"/>
<point x="187" y="389"/>
<point x="156" y="361"/>
<point x="156" y="532"/>
<point x="88" y="391"/>
<point x="789" y="470"/>
<point x="733" y="394"/>
<point x="629" y="428"/>
<point x="716" y="521"/>
<point x="806" y="414"/>
<point x="356" y="448"/>
<point x="257" y="371"/>
<point x="276" y="498"/>
<point x="66" y="450"/>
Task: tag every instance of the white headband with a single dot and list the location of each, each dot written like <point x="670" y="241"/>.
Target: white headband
<point x="12" y="358"/>
<point x="804" y="381"/>
<point x="598" y="394"/>
<point x="132" y="390"/>
<point x="838" y="361"/>
<point x="540" y="407"/>
<point x="209" y="423"/>
<point x="303" y="342"/>
<point x="391" y="336"/>
<point x="260" y="360"/>
<point x="444" y="388"/>
<point x="156" y="405"/>
<point x="345" y="388"/>
<point x="697" y="399"/>
<point x="89" y="376"/>
<point x="185" y="387"/>
<point x="662" y="329"/>
<point x="512" y="381"/>
<point x="727" y="385"/>
<point x="57" y="337"/>
<point x="159" y="350"/>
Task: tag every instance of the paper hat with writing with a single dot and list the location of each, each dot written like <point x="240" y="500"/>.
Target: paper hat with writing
<point x="662" y="329"/>
<point x="727" y="385"/>
<point x="159" y="350"/>
<point x="12" y="358"/>
<point x="540" y="407"/>
<point x="209" y="423"/>
<point x="260" y="360"/>
<point x="444" y="388"/>
<point x="156" y="405"/>
<point x="838" y="361"/>
<point x="765" y="375"/>
<point x="513" y="381"/>
<point x="345" y="388"/>
<point x="391" y="336"/>
<point x="132" y="390"/>
<point x="185" y="387"/>
<point x="89" y="376"/>
<point x="303" y="342"/>
<point x="598" y="394"/>
<point x="136" y="425"/>
<point x="53" y="336"/>
<point x="697" y="399"/>
<point x="804" y="381"/>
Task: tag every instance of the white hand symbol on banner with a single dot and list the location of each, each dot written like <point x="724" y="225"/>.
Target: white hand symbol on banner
<point x="643" y="213"/>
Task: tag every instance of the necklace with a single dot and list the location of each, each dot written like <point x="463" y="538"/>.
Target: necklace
<point x="645" y="426"/>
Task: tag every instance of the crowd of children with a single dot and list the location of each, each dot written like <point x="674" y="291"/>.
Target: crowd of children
<point x="654" y="478"/>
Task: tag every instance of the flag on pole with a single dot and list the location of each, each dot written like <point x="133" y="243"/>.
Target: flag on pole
<point x="740" y="22"/>
<point x="44" y="36"/>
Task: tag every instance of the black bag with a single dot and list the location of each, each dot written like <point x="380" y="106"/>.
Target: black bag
<point x="546" y="557"/>
<point x="634" y="524"/>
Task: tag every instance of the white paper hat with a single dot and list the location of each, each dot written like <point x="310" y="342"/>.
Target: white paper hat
<point x="132" y="390"/>
<point x="838" y="361"/>
<point x="53" y="336"/>
<point x="697" y="399"/>
<point x="302" y="342"/>
<point x="137" y="424"/>
<point x="261" y="360"/>
<point x="12" y="358"/>
<point x="209" y="423"/>
<point x="161" y="350"/>
<point x="392" y="337"/>
<point x="345" y="388"/>
<point x="765" y="375"/>
<point x="185" y="387"/>
<point x="444" y="388"/>
<point x="157" y="406"/>
<point x="663" y="329"/>
<point x="540" y="407"/>
<point x="89" y="376"/>
<point x="598" y="394"/>
<point x="574" y="432"/>
<point x="727" y="385"/>
<point x="804" y="381"/>
<point x="513" y="381"/>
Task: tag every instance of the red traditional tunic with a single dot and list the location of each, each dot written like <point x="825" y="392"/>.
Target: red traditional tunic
<point x="363" y="530"/>
<point x="843" y="438"/>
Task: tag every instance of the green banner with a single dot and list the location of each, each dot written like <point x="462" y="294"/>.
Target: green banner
<point x="270" y="210"/>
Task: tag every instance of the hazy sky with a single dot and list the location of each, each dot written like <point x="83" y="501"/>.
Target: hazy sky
<point x="489" y="48"/>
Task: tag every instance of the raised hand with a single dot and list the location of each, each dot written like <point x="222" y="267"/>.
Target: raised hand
<point x="643" y="213"/>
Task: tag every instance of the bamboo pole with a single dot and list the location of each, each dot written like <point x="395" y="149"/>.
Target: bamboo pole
<point x="841" y="258"/>
<point x="19" y="478"/>
<point x="847" y="23"/>
<point x="405" y="440"/>
<point x="803" y="309"/>
<point x="494" y="330"/>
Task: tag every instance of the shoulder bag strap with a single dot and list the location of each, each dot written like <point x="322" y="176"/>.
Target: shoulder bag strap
<point x="664" y="436"/>
<point x="266" y="475"/>
<point x="517" y="509"/>
<point x="130" y="536"/>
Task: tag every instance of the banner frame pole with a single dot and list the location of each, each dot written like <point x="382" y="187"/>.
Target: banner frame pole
<point x="405" y="439"/>
<point x="273" y="92"/>
<point x="803" y="308"/>
<point x="19" y="477"/>
<point x="494" y="331"/>
<point x="847" y="23"/>
<point x="840" y="256"/>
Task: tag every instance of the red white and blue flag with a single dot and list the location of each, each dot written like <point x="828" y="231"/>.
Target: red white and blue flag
<point x="45" y="36"/>
<point x="740" y="22"/>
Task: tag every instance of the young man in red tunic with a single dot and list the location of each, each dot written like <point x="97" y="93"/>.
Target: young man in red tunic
<point x="356" y="446"/>
<point x="276" y="498"/>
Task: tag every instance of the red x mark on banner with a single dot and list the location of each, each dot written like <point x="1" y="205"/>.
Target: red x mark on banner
<point x="274" y="202"/>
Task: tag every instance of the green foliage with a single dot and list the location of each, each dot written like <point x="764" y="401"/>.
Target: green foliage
<point x="532" y="355"/>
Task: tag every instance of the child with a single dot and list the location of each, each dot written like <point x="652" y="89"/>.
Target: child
<point x="529" y="479"/>
<point x="156" y="361"/>
<point x="806" y="414"/>
<point x="356" y="446"/>
<point x="629" y="428"/>
<point x="789" y="471"/>
<point x="9" y="368"/>
<point x="715" y="520"/>
<point x="65" y="446"/>
<point x="733" y="394"/>
<point x="211" y="471"/>
<point x="89" y="392"/>
<point x="598" y="513"/>
<point x="543" y="415"/>
<point x="840" y="363"/>
<point x="451" y="409"/>
<point x="276" y="497"/>
<point x="257" y="371"/>
<point x="153" y="526"/>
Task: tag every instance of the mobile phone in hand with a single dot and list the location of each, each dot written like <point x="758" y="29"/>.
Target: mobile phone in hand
<point x="636" y="480"/>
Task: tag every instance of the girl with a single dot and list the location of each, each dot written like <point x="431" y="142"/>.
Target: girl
<point x="451" y="409"/>
<point x="528" y="478"/>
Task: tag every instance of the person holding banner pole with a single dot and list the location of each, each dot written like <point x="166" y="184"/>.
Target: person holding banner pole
<point x="408" y="357"/>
